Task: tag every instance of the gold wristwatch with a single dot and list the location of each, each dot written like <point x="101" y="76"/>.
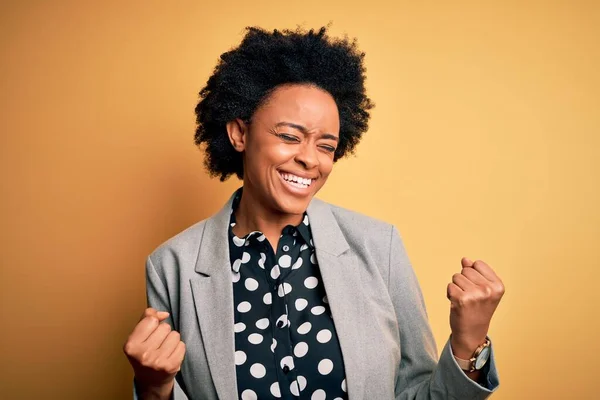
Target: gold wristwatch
<point x="478" y="360"/>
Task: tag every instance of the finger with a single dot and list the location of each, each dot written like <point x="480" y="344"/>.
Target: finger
<point x="178" y="353"/>
<point x="158" y="336"/>
<point x="144" y="329"/>
<point x="466" y="262"/>
<point x="462" y="282"/>
<point x="474" y="276"/>
<point x="169" y="345"/>
<point x="485" y="270"/>
<point x="151" y="312"/>
<point x="453" y="291"/>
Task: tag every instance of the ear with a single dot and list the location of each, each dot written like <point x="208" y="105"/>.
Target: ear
<point x="237" y="130"/>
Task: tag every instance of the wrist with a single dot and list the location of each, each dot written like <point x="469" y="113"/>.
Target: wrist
<point x="465" y="347"/>
<point x="150" y="391"/>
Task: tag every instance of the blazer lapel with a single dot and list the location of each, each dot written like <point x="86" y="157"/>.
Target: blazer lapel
<point x="213" y="298"/>
<point x="340" y="272"/>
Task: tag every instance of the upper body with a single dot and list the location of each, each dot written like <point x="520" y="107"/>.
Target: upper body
<point x="376" y="304"/>
<point x="278" y="112"/>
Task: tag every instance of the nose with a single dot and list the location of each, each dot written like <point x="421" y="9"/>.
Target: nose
<point x="307" y="156"/>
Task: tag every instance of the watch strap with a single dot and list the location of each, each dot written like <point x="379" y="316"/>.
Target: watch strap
<point x="465" y="365"/>
<point x="469" y="365"/>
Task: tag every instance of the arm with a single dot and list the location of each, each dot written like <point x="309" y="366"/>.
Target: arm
<point x="158" y="299"/>
<point x="420" y="377"/>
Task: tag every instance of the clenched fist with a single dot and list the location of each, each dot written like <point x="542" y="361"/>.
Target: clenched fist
<point x="474" y="294"/>
<point x="155" y="352"/>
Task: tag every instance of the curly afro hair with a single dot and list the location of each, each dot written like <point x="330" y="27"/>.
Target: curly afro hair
<point x="245" y="76"/>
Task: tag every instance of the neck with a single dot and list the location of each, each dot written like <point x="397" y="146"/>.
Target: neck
<point x="254" y="215"/>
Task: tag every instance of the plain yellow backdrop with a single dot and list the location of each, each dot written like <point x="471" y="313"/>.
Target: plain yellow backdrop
<point x="484" y="142"/>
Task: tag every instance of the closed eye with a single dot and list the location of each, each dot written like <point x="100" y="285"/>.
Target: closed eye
<point x="329" y="149"/>
<point x="288" y="138"/>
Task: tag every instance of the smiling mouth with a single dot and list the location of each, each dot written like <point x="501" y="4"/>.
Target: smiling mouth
<point x="296" y="181"/>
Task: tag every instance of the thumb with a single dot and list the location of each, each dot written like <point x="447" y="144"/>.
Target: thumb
<point x="162" y="315"/>
<point x="151" y="312"/>
<point x="466" y="262"/>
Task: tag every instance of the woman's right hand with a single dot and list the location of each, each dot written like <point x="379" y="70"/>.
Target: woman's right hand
<point x="155" y="352"/>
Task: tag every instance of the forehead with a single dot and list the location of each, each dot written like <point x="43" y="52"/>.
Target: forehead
<point x="305" y="105"/>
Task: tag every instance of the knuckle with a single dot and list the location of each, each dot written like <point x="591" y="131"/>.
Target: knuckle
<point x="500" y="289"/>
<point x="146" y="358"/>
<point x="158" y="364"/>
<point x="150" y="319"/>
<point x="173" y="367"/>
<point x="455" y="276"/>
<point x="487" y="291"/>
<point x="128" y="348"/>
<point x="462" y="301"/>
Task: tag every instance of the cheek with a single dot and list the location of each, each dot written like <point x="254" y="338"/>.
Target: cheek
<point x="326" y="165"/>
<point x="274" y="154"/>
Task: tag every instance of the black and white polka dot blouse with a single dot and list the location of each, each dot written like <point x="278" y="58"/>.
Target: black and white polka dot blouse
<point x="286" y="346"/>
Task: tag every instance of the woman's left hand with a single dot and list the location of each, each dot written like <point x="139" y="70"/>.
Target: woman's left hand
<point x="474" y="294"/>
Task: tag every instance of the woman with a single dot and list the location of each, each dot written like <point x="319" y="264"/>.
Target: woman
<point x="281" y="295"/>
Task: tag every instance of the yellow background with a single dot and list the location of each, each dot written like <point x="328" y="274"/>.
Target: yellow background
<point x="484" y="142"/>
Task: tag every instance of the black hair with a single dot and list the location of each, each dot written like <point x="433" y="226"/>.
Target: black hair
<point x="246" y="75"/>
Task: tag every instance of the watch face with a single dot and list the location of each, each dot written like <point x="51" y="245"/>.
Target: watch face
<point x="482" y="358"/>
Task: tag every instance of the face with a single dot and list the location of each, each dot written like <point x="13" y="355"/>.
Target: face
<point x="288" y="147"/>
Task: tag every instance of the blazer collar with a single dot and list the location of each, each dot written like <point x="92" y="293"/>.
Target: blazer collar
<point x="326" y="233"/>
<point x="215" y="241"/>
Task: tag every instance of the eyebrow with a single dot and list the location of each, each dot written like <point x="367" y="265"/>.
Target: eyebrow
<point x="304" y="130"/>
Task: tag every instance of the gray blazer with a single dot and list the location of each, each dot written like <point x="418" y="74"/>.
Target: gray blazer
<point x="379" y="314"/>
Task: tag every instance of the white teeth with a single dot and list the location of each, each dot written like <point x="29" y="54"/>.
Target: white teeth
<point x="297" y="181"/>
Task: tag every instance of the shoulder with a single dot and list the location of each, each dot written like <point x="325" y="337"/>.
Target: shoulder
<point x="366" y="235"/>
<point x="353" y="222"/>
<point x="180" y="248"/>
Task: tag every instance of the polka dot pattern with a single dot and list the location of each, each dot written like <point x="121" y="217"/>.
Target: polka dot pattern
<point x="258" y="370"/>
<point x="311" y="282"/>
<point x="275" y="391"/>
<point x="255" y="338"/>
<point x="301" y="304"/>
<point x="240" y="357"/>
<point x="268" y="298"/>
<point x="325" y="366"/>
<point x="304" y="328"/>
<point x="324" y="336"/>
<point x="251" y="284"/>
<point x="244" y="307"/>
<point x="285" y="340"/>
<point x="318" y="395"/>
<point x="301" y="349"/>
<point x="318" y="310"/>
<point x="239" y="327"/>
<point x="285" y="261"/>
<point x="249" y="395"/>
<point x="264" y="324"/>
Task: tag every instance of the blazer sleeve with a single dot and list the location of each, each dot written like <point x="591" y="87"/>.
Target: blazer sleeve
<point x="157" y="297"/>
<point x="420" y="376"/>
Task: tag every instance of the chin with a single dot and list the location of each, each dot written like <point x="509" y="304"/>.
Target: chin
<point x="290" y="205"/>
